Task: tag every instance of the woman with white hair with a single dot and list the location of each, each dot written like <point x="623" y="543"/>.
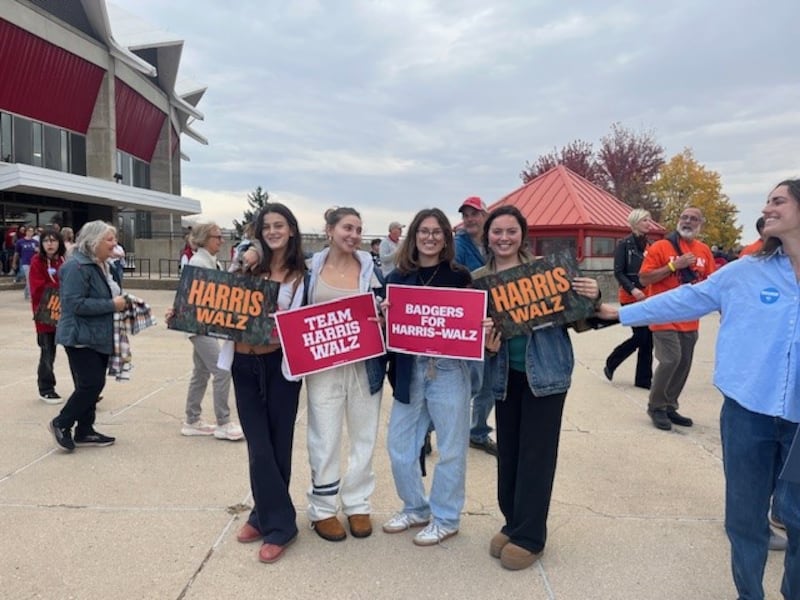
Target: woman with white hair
<point x="89" y="299"/>
<point x="628" y="259"/>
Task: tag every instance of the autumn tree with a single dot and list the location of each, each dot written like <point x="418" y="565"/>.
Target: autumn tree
<point x="577" y="156"/>
<point x="629" y="162"/>
<point x="683" y="182"/>
<point x="256" y="200"/>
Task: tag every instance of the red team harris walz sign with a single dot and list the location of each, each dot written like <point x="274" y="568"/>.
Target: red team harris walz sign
<point x="326" y="335"/>
<point x="436" y="321"/>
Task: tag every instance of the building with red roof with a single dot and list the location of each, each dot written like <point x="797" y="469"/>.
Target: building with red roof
<point x="565" y="210"/>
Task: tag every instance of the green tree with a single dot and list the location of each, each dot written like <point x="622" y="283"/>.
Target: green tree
<point x="256" y="200"/>
<point x="683" y="182"/>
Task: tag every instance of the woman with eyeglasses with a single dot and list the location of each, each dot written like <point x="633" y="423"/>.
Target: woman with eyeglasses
<point x="207" y="238"/>
<point x="43" y="274"/>
<point x="429" y="390"/>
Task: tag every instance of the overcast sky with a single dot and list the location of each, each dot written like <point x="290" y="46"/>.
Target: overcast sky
<point x="391" y="106"/>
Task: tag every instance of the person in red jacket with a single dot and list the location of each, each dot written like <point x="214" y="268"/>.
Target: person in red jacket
<point x="43" y="274"/>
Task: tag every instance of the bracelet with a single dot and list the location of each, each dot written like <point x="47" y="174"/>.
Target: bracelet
<point x="671" y="266"/>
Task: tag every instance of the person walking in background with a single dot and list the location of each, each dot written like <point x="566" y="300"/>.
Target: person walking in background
<point x="266" y="396"/>
<point x="628" y="259"/>
<point x="45" y="265"/>
<point x="470" y="253"/>
<point x="24" y="249"/>
<point x="532" y="373"/>
<point x="89" y="298"/>
<point x="759" y="243"/>
<point x="349" y="393"/>
<point x="678" y="259"/>
<point x="207" y="238"/>
<point x="759" y="383"/>
<point x="429" y="390"/>
<point x="389" y="246"/>
<point x="68" y="236"/>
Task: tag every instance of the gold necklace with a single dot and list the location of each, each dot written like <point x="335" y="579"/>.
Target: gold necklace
<point x="426" y="283"/>
<point x="335" y="270"/>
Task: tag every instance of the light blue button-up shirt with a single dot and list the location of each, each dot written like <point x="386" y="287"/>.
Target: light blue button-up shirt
<point x="758" y="347"/>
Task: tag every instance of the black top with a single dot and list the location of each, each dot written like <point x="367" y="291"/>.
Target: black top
<point x="442" y="275"/>
<point x="628" y="259"/>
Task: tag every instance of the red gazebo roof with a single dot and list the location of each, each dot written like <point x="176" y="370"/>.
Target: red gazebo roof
<point x="560" y="198"/>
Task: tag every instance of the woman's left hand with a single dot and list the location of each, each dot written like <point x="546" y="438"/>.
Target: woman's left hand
<point x="492" y="338"/>
<point x="586" y="286"/>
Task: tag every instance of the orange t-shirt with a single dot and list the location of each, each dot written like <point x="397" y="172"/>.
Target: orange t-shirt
<point x="658" y="255"/>
<point x="752" y="248"/>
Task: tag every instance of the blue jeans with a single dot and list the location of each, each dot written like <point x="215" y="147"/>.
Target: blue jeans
<point x="754" y="449"/>
<point x="482" y="402"/>
<point x="440" y="393"/>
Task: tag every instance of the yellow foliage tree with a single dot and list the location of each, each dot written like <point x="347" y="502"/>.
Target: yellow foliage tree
<point x="683" y="182"/>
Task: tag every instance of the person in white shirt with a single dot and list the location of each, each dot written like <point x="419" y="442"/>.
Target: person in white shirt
<point x="389" y="246"/>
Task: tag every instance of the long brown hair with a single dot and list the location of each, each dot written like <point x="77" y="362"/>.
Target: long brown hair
<point x="294" y="259"/>
<point x="771" y="244"/>
<point x="408" y="254"/>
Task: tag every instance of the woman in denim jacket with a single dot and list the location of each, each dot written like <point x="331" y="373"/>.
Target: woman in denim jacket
<point x="532" y="375"/>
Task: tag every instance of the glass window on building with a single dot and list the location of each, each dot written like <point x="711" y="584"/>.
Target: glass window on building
<point x="38" y="144"/>
<point x="6" y="149"/>
<point x="551" y="245"/>
<point x="603" y="246"/>
<point x="52" y="148"/>
<point x="77" y="154"/>
<point x="141" y="174"/>
<point x="23" y="141"/>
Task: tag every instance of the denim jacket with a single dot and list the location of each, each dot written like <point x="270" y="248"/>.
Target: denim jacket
<point x="548" y="359"/>
<point x="87" y="307"/>
<point x="367" y="282"/>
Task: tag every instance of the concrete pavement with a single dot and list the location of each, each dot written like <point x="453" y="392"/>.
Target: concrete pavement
<point x="636" y="513"/>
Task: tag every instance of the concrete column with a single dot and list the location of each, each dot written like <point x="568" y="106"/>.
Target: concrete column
<point x="101" y="138"/>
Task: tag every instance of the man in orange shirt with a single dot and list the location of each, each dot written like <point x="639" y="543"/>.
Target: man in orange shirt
<point x="755" y="246"/>
<point x="678" y="259"/>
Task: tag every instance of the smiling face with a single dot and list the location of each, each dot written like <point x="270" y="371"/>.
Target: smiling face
<point x="214" y="242"/>
<point x="505" y="237"/>
<point x="106" y="246"/>
<point x="430" y="241"/>
<point x="781" y="214"/>
<point x="690" y="223"/>
<point x="346" y="234"/>
<point x="275" y="231"/>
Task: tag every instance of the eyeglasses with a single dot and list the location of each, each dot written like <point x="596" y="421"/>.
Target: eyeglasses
<point x="434" y="233"/>
<point x="690" y="218"/>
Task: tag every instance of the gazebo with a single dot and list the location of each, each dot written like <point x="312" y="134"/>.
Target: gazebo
<point x="565" y="210"/>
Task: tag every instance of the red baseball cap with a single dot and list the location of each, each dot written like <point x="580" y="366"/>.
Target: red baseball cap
<point x="473" y="202"/>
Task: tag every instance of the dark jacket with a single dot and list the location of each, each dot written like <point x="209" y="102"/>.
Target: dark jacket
<point x="628" y="258"/>
<point x="87" y="308"/>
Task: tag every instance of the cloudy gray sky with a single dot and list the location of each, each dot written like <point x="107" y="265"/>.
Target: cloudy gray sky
<point x="395" y="105"/>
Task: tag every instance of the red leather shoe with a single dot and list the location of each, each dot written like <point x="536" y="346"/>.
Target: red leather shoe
<point x="248" y="534"/>
<point x="270" y="553"/>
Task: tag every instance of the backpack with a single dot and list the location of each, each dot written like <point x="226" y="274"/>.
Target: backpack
<point x="686" y="275"/>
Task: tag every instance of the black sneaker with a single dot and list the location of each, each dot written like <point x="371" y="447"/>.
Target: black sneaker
<point x="94" y="439"/>
<point x="63" y="437"/>
<point x="679" y="419"/>
<point x="608" y="373"/>
<point x="660" y="419"/>
<point x="488" y="445"/>
<point x="50" y="398"/>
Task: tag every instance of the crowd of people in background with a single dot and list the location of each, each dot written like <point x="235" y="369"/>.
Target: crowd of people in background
<point x="664" y="287"/>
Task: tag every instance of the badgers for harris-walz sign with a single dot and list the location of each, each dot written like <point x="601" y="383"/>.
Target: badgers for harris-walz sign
<point x="535" y="294"/>
<point x="226" y="305"/>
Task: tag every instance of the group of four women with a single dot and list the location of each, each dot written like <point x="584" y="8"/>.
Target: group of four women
<point x="533" y="375"/>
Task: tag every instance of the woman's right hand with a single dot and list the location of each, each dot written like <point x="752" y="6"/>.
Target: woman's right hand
<point x="119" y="303"/>
<point x="169" y="314"/>
<point x="638" y="294"/>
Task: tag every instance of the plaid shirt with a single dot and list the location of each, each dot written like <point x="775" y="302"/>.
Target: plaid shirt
<point x="135" y="317"/>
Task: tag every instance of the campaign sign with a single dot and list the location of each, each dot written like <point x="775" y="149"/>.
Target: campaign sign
<point x="231" y="306"/>
<point x="436" y="321"/>
<point x="535" y="294"/>
<point x="326" y="335"/>
<point x="49" y="310"/>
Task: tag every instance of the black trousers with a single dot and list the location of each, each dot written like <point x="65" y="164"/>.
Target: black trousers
<point x="528" y="431"/>
<point x="641" y="340"/>
<point x="89" y="376"/>
<point x="45" y="376"/>
<point x="267" y="405"/>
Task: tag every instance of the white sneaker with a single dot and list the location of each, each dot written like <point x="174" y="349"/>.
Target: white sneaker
<point x="230" y="431"/>
<point x="402" y="521"/>
<point x="434" y="534"/>
<point x="199" y="427"/>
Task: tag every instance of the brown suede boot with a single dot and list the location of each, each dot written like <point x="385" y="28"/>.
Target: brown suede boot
<point x="329" y="529"/>
<point x="360" y="526"/>
<point x="514" y="557"/>
<point x="497" y="543"/>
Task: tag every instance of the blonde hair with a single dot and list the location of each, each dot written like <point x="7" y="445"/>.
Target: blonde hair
<point x="200" y="234"/>
<point x="637" y="215"/>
